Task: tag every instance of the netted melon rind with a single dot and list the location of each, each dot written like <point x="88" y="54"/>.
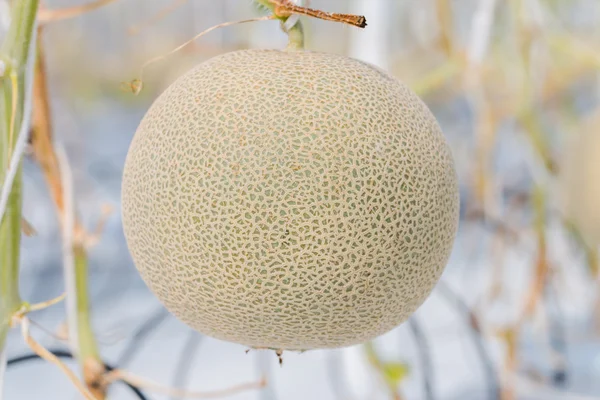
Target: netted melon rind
<point x="289" y="200"/>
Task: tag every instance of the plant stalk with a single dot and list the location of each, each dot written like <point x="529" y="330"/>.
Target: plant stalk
<point x="88" y="347"/>
<point x="88" y="354"/>
<point x="14" y="57"/>
<point x="82" y="337"/>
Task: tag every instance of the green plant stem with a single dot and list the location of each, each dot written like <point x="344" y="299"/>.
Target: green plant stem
<point x="14" y="54"/>
<point x="10" y="234"/>
<point x="88" y="348"/>
<point x="18" y="38"/>
<point x="87" y="353"/>
<point x="81" y="335"/>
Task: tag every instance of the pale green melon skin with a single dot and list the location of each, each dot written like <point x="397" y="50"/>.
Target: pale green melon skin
<point x="290" y="200"/>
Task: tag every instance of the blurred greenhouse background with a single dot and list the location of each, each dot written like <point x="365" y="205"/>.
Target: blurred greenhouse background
<point x="515" y="315"/>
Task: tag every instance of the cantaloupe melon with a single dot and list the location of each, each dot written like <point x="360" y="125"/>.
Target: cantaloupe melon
<point x="290" y="200"/>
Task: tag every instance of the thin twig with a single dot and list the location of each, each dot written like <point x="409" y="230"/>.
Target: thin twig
<point x="46" y="304"/>
<point x="424" y="355"/>
<point x="48" y="356"/>
<point x="60" y="338"/>
<point x="26" y="309"/>
<point x="66" y="354"/>
<point x="136" y="85"/>
<point x="41" y="137"/>
<point x="46" y="15"/>
<point x="135" y="380"/>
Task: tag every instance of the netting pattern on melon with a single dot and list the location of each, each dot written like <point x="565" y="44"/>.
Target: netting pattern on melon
<point x="289" y="200"/>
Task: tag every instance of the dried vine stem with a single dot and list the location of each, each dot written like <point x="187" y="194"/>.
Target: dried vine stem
<point x="65" y="354"/>
<point x="41" y="137"/>
<point x="26" y="308"/>
<point x="136" y="85"/>
<point x="48" y="356"/>
<point x="286" y="8"/>
<point x="281" y="9"/>
<point x="20" y="317"/>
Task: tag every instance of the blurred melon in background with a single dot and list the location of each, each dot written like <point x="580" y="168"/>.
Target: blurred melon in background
<point x="581" y="180"/>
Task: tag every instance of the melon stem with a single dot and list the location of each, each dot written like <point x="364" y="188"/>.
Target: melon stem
<point x="295" y="35"/>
